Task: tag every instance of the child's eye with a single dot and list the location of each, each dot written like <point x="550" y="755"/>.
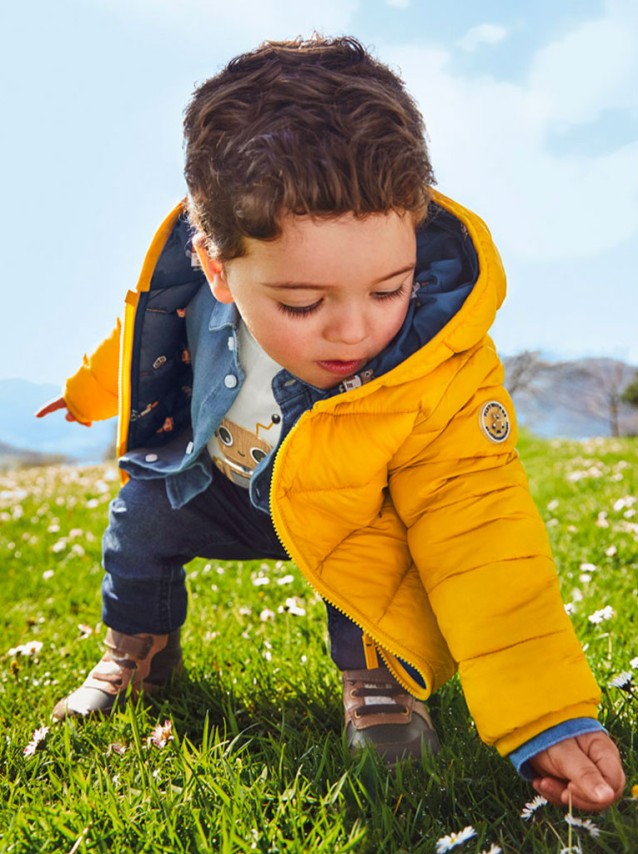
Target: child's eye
<point x="299" y="310"/>
<point x="398" y="292"/>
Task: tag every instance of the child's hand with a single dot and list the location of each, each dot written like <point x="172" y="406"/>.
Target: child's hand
<point x="587" y="766"/>
<point x="60" y="403"/>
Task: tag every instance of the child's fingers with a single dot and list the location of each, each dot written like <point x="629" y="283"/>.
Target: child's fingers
<point x="603" y="797"/>
<point x="587" y="785"/>
<point x="606" y="757"/>
<point x="587" y="769"/>
<point x="560" y="793"/>
<point x="551" y="789"/>
<point x="70" y="417"/>
<point x="51" y="406"/>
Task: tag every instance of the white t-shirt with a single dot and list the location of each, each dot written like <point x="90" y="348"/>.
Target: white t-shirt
<point x="252" y="425"/>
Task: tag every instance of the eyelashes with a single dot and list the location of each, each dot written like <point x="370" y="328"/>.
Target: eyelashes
<point x="298" y="310"/>
<point x="305" y="310"/>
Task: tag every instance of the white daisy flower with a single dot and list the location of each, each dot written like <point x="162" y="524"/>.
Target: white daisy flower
<point x="29" y="648"/>
<point x="532" y="806"/>
<point x="624" y="681"/>
<point x="583" y="824"/>
<point x="162" y="734"/>
<point x="292" y="606"/>
<point x="603" y="614"/>
<point x="36" y="740"/>
<point x="447" y="843"/>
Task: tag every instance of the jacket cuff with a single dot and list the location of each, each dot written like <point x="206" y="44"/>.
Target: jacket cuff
<point x="568" y="729"/>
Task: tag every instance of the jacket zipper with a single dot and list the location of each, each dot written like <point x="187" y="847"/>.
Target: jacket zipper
<point x="379" y="648"/>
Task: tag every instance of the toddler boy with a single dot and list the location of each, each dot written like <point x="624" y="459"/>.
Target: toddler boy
<point x="334" y="397"/>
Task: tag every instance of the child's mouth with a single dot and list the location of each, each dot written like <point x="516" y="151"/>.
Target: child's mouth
<point x="338" y="366"/>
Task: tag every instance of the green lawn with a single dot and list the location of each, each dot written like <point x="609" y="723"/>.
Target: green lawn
<point x="256" y="761"/>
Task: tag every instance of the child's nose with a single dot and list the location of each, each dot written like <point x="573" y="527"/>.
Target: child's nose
<point x="347" y="326"/>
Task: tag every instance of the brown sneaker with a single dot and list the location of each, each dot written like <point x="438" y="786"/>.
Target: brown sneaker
<point x="382" y="715"/>
<point x="145" y="662"/>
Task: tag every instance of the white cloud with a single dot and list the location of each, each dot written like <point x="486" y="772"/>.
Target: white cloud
<point x="491" y="140"/>
<point x="483" y="34"/>
<point x="592" y="68"/>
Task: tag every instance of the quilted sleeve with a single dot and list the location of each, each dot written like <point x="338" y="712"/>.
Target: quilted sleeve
<point x="91" y="394"/>
<point x="485" y="561"/>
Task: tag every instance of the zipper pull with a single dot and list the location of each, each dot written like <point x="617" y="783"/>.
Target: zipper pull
<point x="370" y="652"/>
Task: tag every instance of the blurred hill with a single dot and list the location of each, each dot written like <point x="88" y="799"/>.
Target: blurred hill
<point x="23" y="436"/>
<point x="574" y="399"/>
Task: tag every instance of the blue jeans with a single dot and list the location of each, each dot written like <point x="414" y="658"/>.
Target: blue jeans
<point x="147" y="544"/>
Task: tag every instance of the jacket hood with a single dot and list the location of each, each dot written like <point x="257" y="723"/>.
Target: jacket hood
<point x="459" y="286"/>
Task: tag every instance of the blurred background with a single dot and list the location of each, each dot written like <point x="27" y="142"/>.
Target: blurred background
<point x="532" y="116"/>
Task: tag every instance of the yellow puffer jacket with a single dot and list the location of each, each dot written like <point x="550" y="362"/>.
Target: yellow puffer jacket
<point x="426" y="536"/>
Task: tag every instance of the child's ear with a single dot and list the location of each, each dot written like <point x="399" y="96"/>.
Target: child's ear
<point x="213" y="270"/>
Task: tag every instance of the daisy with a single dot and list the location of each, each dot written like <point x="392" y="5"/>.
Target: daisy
<point x="447" y="843"/>
<point x="583" y="824"/>
<point x="530" y="808"/>
<point x="29" y="648"/>
<point x="624" y="681"/>
<point x="36" y="740"/>
<point x="162" y="734"/>
<point x="603" y="614"/>
<point x="292" y="606"/>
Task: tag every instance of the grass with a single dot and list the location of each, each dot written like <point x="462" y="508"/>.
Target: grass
<point x="257" y="760"/>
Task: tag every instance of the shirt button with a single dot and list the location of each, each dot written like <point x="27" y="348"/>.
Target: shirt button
<point x="151" y="458"/>
<point x="230" y="381"/>
<point x="231" y="343"/>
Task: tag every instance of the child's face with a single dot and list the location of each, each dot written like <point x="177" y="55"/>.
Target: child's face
<point x="327" y="295"/>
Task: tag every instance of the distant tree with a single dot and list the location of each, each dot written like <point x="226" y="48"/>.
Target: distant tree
<point x="523" y="369"/>
<point x="630" y="393"/>
<point x="607" y="378"/>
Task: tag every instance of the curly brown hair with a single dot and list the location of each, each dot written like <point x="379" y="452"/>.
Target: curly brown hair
<point x="311" y="127"/>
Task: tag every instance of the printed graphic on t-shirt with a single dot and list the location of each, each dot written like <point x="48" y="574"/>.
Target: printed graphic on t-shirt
<point x="239" y="451"/>
<point x="252" y="426"/>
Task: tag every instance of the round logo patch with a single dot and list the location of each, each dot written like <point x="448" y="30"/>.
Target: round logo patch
<point x="494" y="421"/>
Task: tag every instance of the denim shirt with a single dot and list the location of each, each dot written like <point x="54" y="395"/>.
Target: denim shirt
<point x="217" y="378"/>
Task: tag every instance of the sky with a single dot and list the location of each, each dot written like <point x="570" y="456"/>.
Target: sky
<point x="532" y="117"/>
